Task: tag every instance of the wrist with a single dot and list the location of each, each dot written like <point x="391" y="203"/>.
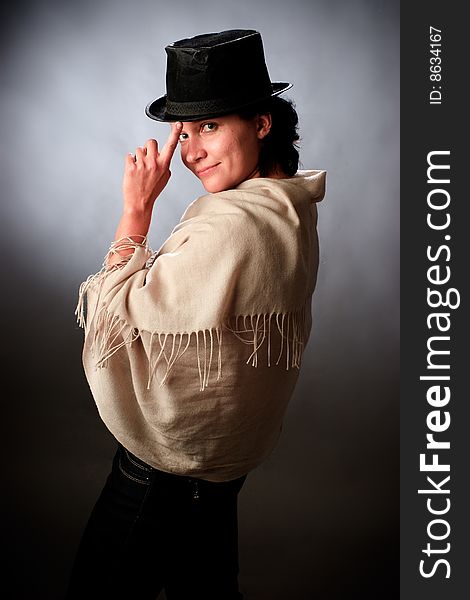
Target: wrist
<point x="138" y="212"/>
<point x="133" y="222"/>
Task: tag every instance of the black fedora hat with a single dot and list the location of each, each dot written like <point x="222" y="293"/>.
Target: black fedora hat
<point x="214" y="74"/>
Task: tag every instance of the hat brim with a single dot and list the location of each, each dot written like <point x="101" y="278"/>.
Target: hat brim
<point x="157" y="109"/>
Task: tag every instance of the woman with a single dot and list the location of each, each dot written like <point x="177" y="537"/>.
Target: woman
<point x="193" y="352"/>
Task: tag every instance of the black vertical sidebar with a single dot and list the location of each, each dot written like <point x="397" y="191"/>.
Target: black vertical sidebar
<point x="435" y="353"/>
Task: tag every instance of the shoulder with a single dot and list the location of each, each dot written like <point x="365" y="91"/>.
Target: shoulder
<point x="227" y="205"/>
<point x="307" y="184"/>
<point x="257" y="199"/>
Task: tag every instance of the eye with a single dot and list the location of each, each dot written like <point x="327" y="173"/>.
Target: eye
<point x="183" y="137"/>
<point x="206" y="127"/>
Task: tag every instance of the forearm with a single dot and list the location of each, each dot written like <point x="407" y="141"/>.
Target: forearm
<point x="133" y="224"/>
<point x="145" y="176"/>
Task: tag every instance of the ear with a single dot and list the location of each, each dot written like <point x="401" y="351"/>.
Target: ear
<point x="263" y="125"/>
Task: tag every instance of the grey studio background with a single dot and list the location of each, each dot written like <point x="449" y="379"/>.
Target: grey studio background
<point x="319" y="519"/>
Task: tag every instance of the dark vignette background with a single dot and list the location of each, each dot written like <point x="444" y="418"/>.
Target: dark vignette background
<point x="426" y="128"/>
<point x="320" y="518"/>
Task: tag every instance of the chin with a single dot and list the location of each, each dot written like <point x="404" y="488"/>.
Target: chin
<point x="213" y="187"/>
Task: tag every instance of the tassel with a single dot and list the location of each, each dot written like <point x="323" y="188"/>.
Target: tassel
<point x="124" y="243"/>
<point x="112" y="333"/>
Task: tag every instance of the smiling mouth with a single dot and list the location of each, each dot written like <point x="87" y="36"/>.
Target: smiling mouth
<point x="207" y="170"/>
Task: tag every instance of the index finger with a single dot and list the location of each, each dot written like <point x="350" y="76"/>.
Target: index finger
<point x="171" y="143"/>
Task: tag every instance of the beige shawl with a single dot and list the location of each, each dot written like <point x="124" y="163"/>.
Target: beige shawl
<point x="192" y="353"/>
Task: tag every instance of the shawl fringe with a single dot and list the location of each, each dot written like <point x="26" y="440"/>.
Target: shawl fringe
<point x="111" y="332"/>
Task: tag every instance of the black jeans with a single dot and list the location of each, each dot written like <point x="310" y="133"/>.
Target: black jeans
<point x="152" y="530"/>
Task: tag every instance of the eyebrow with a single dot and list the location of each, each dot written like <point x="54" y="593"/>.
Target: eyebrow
<point x="198" y="123"/>
<point x="191" y="123"/>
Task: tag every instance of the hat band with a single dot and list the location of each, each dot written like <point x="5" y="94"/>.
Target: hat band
<point x="206" y="106"/>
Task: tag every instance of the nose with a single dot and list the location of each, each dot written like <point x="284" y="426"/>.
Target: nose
<point x="194" y="150"/>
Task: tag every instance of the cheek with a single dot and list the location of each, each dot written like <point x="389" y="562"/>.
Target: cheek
<point x="243" y="152"/>
<point x="250" y="146"/>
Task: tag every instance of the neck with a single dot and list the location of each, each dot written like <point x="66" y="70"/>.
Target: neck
<point x="276" y="173"/>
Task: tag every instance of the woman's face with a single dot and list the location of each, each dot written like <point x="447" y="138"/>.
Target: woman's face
<point x="223" y="151"/>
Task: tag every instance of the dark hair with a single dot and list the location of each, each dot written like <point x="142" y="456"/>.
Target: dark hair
<point x="279" y="149"/>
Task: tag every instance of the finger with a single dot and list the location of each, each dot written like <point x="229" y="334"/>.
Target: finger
<point x="171" y="143"/>
<point x="130" y="160"/>
<point x="151" y="148"/>
<point x="139" y="154"/>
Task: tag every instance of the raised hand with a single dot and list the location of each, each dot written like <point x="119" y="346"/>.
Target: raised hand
<point x="145" y="176"/>
<point x="147" y="172"/>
